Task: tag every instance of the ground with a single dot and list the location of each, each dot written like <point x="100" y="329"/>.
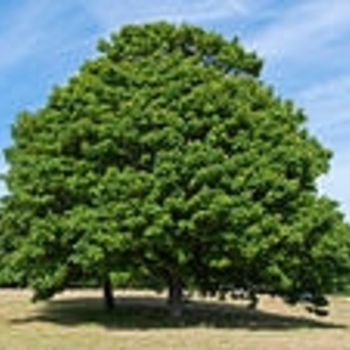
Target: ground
<point x="76" y="320"/>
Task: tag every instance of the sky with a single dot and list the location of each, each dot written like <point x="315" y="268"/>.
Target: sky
<point x="304" y="44"/>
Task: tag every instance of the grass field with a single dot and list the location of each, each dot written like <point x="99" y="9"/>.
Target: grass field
<point x="76" y="320"/>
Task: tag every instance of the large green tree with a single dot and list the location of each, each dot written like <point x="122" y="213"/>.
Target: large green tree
<point x="166" y="159"/>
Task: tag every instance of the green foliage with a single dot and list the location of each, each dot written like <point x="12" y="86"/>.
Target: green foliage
<point x="166" y="158"/>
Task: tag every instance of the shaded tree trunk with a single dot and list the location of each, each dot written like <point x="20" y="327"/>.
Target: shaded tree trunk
<point x="254" y="300"/>
<point x="175" y="296"/>
<point x="108" y="294"/>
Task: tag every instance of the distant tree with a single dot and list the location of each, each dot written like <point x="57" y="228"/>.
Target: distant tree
<point x="167" y="159"/>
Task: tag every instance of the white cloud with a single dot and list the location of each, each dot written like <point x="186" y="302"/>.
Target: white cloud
<point x="328" y="102"/>
<point x="336" y="183"/>
<point x="39" y="29"/>
<point x="22" y="35"/>
<point x="329" y="105"/>
<point x="304" y="29"/>
<point x="312" y="34"/>
<point x="110" y="15"/>
<point x="3" y="169"/>
<point x="2" y="189"/>
<point x="306" y="46"/>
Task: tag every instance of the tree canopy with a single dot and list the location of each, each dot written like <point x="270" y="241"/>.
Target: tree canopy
<point x="166" y="159"/>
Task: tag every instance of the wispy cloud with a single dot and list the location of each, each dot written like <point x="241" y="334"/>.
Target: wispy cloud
<point x="38" y="29"/>
<point x="305" y="44"/>
<point x="110" y="15"/>
<point x="306" y="47"/>
<point x="303" y="29"/>
<point x="20" y="39"/>
<point x="336" y="182"/>
<point x="329" y="102"/>
<point x="3" y="170"/>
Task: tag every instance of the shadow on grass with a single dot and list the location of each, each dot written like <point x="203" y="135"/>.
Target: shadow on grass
<point x="153" y="313"/>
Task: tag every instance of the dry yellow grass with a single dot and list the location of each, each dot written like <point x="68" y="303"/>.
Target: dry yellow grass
<point x="75" y="320"/>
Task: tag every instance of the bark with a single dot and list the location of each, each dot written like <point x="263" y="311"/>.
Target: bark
<point x="108" y="294"/>
<point x="175" y="296"/>
<point x="254" y="300"/>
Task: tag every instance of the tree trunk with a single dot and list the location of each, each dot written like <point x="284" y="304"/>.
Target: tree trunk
<point x="254" y="300"/>
<point x="175" y="296"/>
<point x="108" y="294"/>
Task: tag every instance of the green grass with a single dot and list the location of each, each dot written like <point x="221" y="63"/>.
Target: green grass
<point x="76" y="320"/>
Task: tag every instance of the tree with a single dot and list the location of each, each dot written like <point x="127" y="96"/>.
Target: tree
<point x="167" y="159"/>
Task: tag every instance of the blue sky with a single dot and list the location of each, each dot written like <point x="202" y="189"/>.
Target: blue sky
<point x="305" y="45"/>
